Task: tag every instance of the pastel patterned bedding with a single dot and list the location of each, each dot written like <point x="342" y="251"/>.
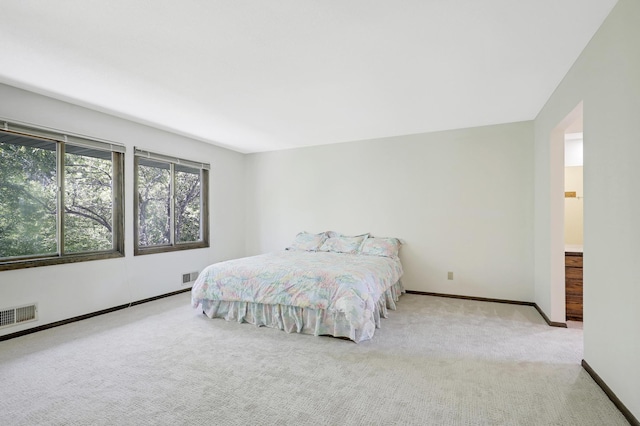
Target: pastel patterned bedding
<point x="320" y="293"/>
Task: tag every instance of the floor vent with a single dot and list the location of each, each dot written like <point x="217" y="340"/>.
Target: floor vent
<point x="18" y="315"/>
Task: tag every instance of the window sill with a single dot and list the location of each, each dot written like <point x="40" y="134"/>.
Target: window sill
<point x="167" y="249"/>
<point x="57" y="260"/>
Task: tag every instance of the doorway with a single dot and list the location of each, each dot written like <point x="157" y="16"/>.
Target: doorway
<point x="566" y="254"/>
<point x="573" y="223"/>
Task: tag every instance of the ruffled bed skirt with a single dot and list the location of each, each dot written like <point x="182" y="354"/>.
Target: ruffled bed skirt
<point x="318" y="322"/>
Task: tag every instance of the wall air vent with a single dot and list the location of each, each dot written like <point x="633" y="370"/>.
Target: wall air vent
<point x="190" y="277"/>
<point x="18" y="315"/>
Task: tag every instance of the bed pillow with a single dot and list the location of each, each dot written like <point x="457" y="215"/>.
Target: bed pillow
<point x="343" y="244"/>
<point x="387" y="247"/>
<point x="307" y="241"/>
<point x="334" y="234"/>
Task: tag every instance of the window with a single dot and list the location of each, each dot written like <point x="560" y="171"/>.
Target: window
<point x="171" y="205"/>
<point x="60" y="197"/>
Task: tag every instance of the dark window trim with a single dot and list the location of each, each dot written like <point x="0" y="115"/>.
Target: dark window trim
<point x="118" y="162"/>
<point x="204" y="214"/>
<point x="58" y="260"/>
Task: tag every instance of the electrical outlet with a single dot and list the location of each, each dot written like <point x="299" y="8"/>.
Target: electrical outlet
<point x="449" y="275"/>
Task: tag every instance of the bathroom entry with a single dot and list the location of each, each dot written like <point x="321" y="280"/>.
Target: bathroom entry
<point x="573" y="221"/>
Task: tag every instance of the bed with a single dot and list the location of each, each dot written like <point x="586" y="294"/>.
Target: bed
<point x="334" y="288"/>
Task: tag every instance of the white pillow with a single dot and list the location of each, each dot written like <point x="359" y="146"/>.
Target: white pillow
<point x="343" y="244"/>
<point x="308" y="242"/>
<point x="387" y="247"/>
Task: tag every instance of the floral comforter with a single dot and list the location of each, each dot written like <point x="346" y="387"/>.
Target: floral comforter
<point x="349" y="284"/>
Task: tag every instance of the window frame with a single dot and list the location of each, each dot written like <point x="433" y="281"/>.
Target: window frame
<point x="61" y="138"/>
<point x="173" y="245"/>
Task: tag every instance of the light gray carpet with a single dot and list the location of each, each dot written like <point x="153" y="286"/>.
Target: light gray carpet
<point x="436" y="361"/>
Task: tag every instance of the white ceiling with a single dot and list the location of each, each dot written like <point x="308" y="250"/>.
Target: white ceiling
<point x="266" y="75"/>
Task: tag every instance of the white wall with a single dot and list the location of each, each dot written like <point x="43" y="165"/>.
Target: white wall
<point x="65" y="291"/>
<point x="606" y="79"/>
<point x="573" y="151"/>
<point x="573" y="207"/>
<point x="461" y="200"/>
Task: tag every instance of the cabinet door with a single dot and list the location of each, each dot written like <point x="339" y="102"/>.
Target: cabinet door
<point x="573" y="290"/>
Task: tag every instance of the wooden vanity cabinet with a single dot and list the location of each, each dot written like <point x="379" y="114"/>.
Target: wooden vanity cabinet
<point x="573" y="285"/>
